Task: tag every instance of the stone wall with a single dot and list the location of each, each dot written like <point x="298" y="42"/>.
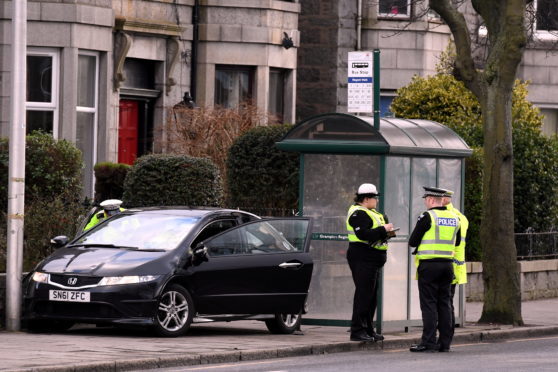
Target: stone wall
<point x="539" y="279"/>
<point x="2" y="300"/>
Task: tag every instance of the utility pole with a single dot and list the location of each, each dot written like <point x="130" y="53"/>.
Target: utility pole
<point x="16" y="180"/>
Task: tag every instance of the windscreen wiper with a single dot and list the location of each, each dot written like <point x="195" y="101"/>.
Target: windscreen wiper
<point x="88" y="245"/>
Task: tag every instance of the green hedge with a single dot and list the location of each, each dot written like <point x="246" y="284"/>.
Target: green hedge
<point x="109" y="180"/>
<point x="44" y="219"/>
<point x="259" y="175"/>
<point x="165" y="179"/>
<point x="52" y="194"/>
<point x="52" y="168"/>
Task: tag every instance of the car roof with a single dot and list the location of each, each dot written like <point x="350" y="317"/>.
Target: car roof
<point x="185" y="211"/>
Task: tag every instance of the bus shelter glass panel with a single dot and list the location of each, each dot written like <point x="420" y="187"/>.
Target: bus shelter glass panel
<point x="396" y="196"/>
<point x="330" y="182"/>
<point x="423" y="173"/>
<point x="397" y="208"/>
<point x="449" y="176"/>
<point x="395" y="288"/>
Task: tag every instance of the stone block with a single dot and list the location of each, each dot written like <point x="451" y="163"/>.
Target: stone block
<point x="403" y="40"/>
<point x="252" y="34"/>
<point x="231" y="33"/>
<point x="294" y="351"/>
<point x="410" y="59"/>
<point x="538" y="265"/>
<point x="258" y="354"/>
<point x="175" y="361"/>
<point x="58" y="12"/>
<point x="224" y="357"/>
<point x="92" y="37"/>
<point x="47" y="34"/>
<point x="209" y="32"/>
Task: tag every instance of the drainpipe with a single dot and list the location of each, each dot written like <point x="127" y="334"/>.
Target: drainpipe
<point x="359" y="24"/>
<point x="194" y="56"/>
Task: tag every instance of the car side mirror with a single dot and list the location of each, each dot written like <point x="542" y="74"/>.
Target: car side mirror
<point x="199" y="254"/>
<point x="59" y="241"/>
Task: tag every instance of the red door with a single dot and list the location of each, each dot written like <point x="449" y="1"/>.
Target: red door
<point x="128" y="132"/>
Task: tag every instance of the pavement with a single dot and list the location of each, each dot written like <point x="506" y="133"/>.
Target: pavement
<point x="86" y="348"/>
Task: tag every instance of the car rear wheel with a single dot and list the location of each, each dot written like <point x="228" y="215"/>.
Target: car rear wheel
<point x="175" y="311"/>
<point x="283" y="323"/>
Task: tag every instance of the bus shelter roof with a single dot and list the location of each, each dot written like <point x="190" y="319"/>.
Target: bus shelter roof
<point x="337" y="133"/>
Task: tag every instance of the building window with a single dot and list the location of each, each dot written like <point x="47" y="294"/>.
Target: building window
<point x="233" y="85"/>
<point x="546" y="15"/>
<point x="394" y="8"/>
<point x="550" y="121"/>
<point x="277" y="80"/>
<point x="42" y="91"/>
<point x="86" y="115"/>
<point x="385" y="103"/>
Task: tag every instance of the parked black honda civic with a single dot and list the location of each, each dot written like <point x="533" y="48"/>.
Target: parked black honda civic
<point x="167" y="267"/>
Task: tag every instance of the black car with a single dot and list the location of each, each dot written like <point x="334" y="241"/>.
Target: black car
<point x="166" y="267"/>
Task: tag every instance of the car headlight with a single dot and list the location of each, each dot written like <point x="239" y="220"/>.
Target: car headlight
<point x="40" y="277"/>
<point x="134" y="279"/>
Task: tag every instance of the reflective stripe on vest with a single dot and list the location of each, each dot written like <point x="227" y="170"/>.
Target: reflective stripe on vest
<point x="439" y="240"/>
<point x="459" y="268"/>
<point x="377" y="220"/>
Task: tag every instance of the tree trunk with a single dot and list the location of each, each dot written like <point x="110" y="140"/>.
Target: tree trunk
<point x="502" y="292"/>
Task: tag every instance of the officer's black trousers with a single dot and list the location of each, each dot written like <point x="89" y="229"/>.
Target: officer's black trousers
<point x="365" y="276"/>
<point x="434" y="283"/>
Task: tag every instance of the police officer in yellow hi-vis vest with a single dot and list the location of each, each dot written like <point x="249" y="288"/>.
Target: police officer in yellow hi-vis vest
<point x="459" y="267"/>
<point x="110" y="208"/>
<point x="434" y="239"/>
<point x="368" y="231"/>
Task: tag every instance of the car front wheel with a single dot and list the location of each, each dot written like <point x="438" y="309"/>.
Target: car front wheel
<point x="175" y="311"/>
<point x="283" y="323"/>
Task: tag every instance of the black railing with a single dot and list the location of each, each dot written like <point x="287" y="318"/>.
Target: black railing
<point x="536" y="245"/>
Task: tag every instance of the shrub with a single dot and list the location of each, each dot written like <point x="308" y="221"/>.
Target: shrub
<point x="442" y="98"/>
<point x="259" y="174"/>
<point x="45" y="218"/>
<point x="52" y="168"/>
<point x="208" y="132"/>
<point x="109" y="180"/>
<point x="164" y="179"/>
<point x="52" y="194"/>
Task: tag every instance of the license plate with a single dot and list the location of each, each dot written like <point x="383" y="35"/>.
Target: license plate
<point x="69" y="296"/>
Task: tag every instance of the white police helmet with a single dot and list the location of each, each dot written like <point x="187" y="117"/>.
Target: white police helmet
<point x="111" y="206"/>
<point x="367" y="189"/>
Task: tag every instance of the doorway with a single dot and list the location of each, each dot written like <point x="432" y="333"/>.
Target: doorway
<point x="128" y="131"/>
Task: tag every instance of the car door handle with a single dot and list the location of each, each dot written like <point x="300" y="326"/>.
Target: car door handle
<point x="287" y="265"/>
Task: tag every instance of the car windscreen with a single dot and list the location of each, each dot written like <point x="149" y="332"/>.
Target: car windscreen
<point x="140" y="231"/>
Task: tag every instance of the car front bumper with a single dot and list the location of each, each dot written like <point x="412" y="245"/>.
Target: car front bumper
<point x="133" y="304"/>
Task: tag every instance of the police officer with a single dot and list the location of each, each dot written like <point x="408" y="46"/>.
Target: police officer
<point x="434" y="239"/>
<point x="459" y="268"/>
<point x="110" y="208"/>
<point x="368" y="231"/>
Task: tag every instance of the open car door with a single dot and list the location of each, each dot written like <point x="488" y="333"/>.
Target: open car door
<point x="261" y="267"/>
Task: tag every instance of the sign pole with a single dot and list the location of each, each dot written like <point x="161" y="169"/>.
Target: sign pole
<point x="376" y="106"/>
<point x="16" y="172"/>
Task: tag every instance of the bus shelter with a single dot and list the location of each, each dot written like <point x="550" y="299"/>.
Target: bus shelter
<point x="338" y="152"/>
